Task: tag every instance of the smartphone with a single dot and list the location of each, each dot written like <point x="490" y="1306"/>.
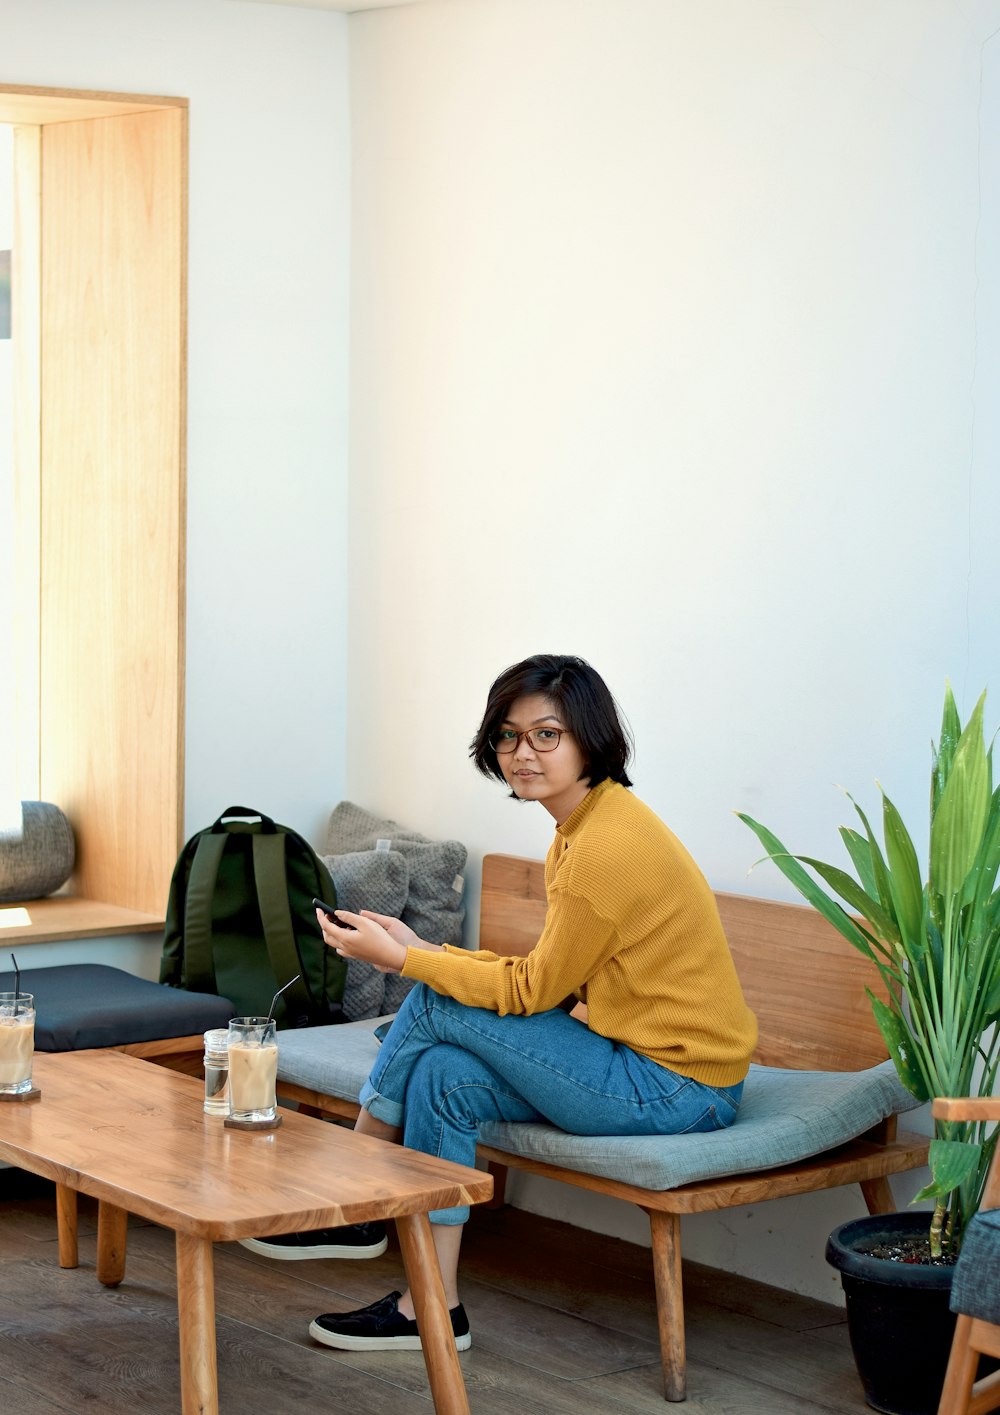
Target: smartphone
<point x="330" y="911"/>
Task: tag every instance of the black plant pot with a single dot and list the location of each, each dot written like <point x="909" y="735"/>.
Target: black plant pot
<point x="897" y="1314"/>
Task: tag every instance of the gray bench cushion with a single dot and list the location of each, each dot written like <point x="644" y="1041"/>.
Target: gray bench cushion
<point x="785" y="1115"/>
<point x="82" y="1005"/>
<point x="334" y="1060"/>
<point x="975" y="1288"/>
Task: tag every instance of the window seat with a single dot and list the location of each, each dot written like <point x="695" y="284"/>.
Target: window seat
<point x="64" y="916"/>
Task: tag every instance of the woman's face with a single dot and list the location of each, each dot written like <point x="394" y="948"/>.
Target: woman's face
<point x="552" y="777"/>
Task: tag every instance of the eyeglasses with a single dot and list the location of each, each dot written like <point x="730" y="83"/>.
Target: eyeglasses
<point x="539" y="739"/>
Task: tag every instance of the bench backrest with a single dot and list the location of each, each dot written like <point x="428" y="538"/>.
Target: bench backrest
<point x="804" y="981"/>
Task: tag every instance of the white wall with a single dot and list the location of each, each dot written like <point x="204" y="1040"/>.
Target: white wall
<point x="267" y="448"/>
<point x="675" y="344"/>
<point x="710" y="291"/>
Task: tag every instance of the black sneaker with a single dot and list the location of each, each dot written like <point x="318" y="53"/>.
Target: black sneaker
<point x="356" y="1240"/>
<point x="382" y="1327"/>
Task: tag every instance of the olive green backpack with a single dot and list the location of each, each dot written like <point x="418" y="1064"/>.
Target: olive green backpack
<point x="241" y="922"/>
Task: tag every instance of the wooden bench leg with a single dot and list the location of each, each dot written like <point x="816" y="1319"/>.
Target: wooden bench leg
<point x="985" y="1397"/>
<point x="962" y="1365"/>
<point x="878" y="1195"/>
<point x="67" y="1226"/>
<point x="112" y="1230"/>
<point x="665" y="1230"/>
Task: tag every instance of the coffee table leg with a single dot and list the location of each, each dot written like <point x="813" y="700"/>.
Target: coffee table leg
<point x="196" y="1313"/>
<point x="66" y="1226"/>
<point x="436" y="1336"/>
<point x="112" y="1231"/>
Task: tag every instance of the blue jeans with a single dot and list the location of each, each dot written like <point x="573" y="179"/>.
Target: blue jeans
<point x="445" y="1068"/>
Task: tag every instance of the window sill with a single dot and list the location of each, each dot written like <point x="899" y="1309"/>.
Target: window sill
<point x="66" y="917"/>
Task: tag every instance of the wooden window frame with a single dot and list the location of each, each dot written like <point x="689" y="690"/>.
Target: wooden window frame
<point x="100" y="310"/>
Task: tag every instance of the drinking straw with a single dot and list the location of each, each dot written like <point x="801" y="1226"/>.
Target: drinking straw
<point x="17" y="985"/>
<point x="276" y="995"/>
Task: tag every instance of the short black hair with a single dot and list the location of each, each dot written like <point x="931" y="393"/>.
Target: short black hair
<point x="585" y="706"/>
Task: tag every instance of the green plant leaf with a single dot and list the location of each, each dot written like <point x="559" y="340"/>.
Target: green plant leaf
<point x="790" y="867"/>
<point x="952" y="1162"/>
<point x="944" y="753"/>
<point x="878" y="865"/>
<point x="852" y="893"/>
<point x="861" y="858"/>
<point x="905" y="883"/>
<point x="982" y="877"/>
<point x="957" y="823"/>
<point x="991" y="995"/>
<point x="902" y="1047"/>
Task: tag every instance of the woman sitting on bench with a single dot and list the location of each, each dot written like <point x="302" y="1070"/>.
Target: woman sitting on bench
<point x="631" y="929"/>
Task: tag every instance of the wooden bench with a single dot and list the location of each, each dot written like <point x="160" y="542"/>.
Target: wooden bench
<point x="807" y="987"/>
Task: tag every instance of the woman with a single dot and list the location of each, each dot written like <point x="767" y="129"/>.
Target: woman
<point x="631" y="929"/>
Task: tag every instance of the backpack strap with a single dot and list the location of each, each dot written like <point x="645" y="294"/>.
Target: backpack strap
<point x="199" y="968"/>
<point x="172" y="960"/>
<point x="276" y="917"/>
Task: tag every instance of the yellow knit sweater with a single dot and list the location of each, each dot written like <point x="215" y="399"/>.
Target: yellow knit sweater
<point x="631" y="929"/>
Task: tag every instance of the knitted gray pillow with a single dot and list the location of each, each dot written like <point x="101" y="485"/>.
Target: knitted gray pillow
<point x="371" y="879"/>
<point x="434" y="909"/>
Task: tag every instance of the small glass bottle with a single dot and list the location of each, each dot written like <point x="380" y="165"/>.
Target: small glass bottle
<point x="217" y="1071"/>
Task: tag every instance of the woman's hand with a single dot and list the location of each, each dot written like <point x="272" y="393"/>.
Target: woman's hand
<point x="401" y="932"/>
<point x="395" y="928"/>
<point x="374" y="938"/>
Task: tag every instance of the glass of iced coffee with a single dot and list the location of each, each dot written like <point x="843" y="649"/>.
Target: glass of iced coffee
<point x="253" y="1069"/>
<point x="17" y="1042"/>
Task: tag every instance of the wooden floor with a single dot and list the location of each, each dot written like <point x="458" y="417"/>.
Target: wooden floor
<point x="563" y="1323"/>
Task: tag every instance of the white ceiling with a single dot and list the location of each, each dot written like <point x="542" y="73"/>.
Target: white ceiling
<point x="348" y="7"/>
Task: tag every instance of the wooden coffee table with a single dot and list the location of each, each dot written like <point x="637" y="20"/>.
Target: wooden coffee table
<point x="134" y="1136"/>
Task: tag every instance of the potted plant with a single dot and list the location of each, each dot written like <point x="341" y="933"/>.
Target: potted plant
<point x="935" y="941"/>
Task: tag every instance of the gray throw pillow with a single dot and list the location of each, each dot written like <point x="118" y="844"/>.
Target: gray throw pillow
<point x="434" y="909"/>
<point x="371" y="879"/>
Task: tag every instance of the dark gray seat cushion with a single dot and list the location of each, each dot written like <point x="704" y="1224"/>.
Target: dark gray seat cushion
<point x="975" y="1288"/>
<point x="84" y="1005"/>
<point x="785" y="1115"/>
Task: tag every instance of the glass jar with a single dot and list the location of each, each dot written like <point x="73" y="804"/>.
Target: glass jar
<point x="217" y="1071"/>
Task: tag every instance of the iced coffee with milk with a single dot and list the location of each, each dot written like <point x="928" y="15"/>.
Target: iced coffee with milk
<point x="253" y="1070"/>
<point x="17" y="1042"/>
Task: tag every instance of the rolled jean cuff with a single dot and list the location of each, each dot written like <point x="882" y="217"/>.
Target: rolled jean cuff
<point x="389" y="1112"/>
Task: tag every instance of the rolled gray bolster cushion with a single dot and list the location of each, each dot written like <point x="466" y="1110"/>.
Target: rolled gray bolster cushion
<point x="37" y="855"/>
<point x="369" y="879"/>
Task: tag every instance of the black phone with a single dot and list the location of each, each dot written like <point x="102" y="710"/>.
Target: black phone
<point x="330" y="911"/>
